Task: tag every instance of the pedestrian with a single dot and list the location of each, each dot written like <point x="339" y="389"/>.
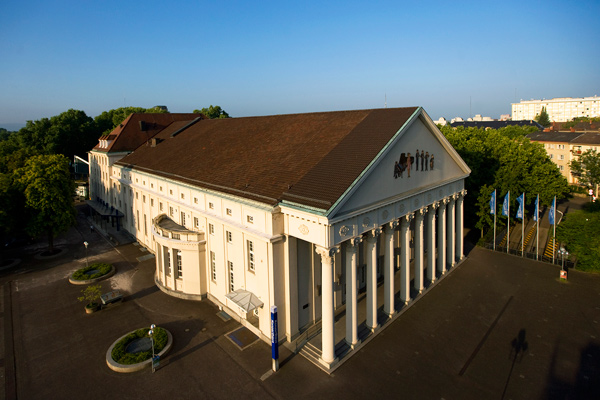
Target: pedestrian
<point x="91" y="228"/>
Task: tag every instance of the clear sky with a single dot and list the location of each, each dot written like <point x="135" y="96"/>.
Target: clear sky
<point x="454" y="58"/>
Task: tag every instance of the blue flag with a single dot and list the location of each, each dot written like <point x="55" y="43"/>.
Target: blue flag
<point x="505" y="205"/>
<point x="520" y="200"/>
<point x="552" y="212"/>
<point x="493" y="203"/>
<point x="537" y="208"/>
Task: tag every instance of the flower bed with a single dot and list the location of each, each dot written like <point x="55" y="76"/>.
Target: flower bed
<point x="84" y="275"/>
<point x="120" y="355"/>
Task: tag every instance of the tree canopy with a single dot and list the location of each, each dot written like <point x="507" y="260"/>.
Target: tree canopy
<point x="48" y="189"/>
<point x="505" y="161"/>
<point x="213" y="112"/>
<point x="542" y="118"/>
<point x="587" y="169"/>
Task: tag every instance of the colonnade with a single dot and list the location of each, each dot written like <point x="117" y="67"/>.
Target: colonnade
<point x="444" y="217"/>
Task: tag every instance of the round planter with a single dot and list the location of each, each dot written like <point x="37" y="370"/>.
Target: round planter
<point x="126" y="368"/>
<point x="88" y="281"/>
<point x="89" y="309"/>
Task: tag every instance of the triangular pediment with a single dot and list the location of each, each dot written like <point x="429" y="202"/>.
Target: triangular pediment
<point x="399" y="173"/>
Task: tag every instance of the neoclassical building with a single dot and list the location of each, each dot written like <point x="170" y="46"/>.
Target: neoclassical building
<point x="301" y="211"/>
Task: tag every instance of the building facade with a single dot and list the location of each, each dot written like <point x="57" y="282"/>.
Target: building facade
<point x="562" y="109"/>
<point x="298" y="211"/>
<point x="563" y="147"/>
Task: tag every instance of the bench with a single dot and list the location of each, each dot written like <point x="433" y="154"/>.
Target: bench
<point x="111" y="298"/>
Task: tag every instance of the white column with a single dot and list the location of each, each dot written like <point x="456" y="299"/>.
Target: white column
<point x="431" y="242"/>
<point x="405" y="258"/>
<point x="388" y="279"/>
<point x="460" y="250"/>
<point x="371" y="255"/>
<point x="450" y="213"/>
<point x="419" y="253"/>
<point x="327" y="313"/>
<point x="441" y="229"/>
<point x="351" y="291"/>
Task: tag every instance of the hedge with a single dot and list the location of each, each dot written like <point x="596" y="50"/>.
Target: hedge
<point x="81" y="275"/>
<point x="119" y="354"/>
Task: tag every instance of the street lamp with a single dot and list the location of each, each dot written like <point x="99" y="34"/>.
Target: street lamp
<point x="151" y="334"/>
<point x="86" y="256"/>
<point x="563" y="253"/>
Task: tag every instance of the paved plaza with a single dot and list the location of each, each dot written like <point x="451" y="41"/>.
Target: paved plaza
<point x="498" y="326"/>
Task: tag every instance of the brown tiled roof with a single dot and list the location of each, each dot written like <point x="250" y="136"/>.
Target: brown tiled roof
<point x="567" y="137"/>
<point x="310" y="159"/>
<point x="128" y="135"/>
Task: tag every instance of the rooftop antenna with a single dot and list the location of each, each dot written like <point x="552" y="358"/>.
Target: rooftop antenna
<point x="385" y="104"/>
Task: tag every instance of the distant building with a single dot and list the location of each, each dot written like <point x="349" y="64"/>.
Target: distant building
<point x="442" y="121"/>
<point x="563" y="147"/>
<point x="559" y="109"/>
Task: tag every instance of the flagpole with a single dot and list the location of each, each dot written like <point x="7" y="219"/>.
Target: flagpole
<point x="523" y="226"/>
<point x="537" y="227"/>
<point x="508" y="223"/>
<point x="495" y="208"/>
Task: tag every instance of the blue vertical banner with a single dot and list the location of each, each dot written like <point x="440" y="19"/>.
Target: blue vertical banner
<point x="520" y="200"/>
<point x="537" y="208"/>
<point x="493" y="203"/>
<point x="505" y="205"/>
<point x="552" y="211"/>
<point x="274" y="338"/>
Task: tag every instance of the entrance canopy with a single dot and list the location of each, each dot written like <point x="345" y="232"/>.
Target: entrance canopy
<point x="244" y="299"/>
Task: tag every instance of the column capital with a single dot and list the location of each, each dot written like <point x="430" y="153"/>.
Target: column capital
<point x="463" y="192"/>
<point x="392" y="225"/>
<point x="421" y="211"/>
<point x="356" y="241"/>
<point x="434" y="205"/>
<point x="407" y="218"/>
<point x="444" y="201"/>
<point x="373" y="234"/>
<point x="326" y="252"/>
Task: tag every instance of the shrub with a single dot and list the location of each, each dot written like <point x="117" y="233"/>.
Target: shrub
<point x="119" y="354"/>
<point x="91" y="294"/>
<point x="81" y="274"/>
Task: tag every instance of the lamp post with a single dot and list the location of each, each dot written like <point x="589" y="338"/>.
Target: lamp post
<point x="86" y="256"/>
<point x="151" y="334"/>
<point x="563" y="253"/>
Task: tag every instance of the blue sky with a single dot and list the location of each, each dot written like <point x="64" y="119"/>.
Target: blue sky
<point x="274" y="57"/>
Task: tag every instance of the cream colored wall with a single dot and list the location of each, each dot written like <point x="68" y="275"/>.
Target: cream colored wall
<point x="195" y="203"/>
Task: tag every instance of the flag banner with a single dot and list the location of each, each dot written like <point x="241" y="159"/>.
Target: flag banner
<point x="493" y="203"/>
<point x="520" y="200"/>
<point x="552" y="212"/>
<point x="505" y="205"/>
<point x="537" y="208"/>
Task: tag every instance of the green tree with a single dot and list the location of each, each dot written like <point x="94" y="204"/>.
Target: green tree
<point x="48" y="189"/>
<point x="505" y="161"/>
<point x="587" y="169"/>
<point x="212" y="112"/>
<point x="108" y="120"/>
<point x="579" y="231"/>
<point x="542" y="118"/>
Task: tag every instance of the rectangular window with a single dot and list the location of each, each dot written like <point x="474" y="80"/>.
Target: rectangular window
<point x="171" y="192"/>
<point x="211" y="206"/>
<point x="167" y="254"/>
<point x="561" y="167"/>
<point x="136" y="196"/>
<point x="138" y="219"/>
<point x="195" y="200"/>
<point x="179" y="263"/>
<point x="231" y="286"/>
<point x="551" y="156"/>
<point x="250" y="219"/>
<point x="211" y="229"/>
<point x="229" y="212"/>
<point x="144" y="198"/>
<point x="182" y="218"/>
<point x="251" y="265"/>
<point x="196" y="222"/>
<point x="213" y="266"/>
<point x="229" y="237"/>
<point x="176" y="236"/>
<point x="171" y="211"/>
<point x="562" y="157"/>
<point x="160" y="206"/>
<point x="145" y="226"/>
<point x="151" y="202"/>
